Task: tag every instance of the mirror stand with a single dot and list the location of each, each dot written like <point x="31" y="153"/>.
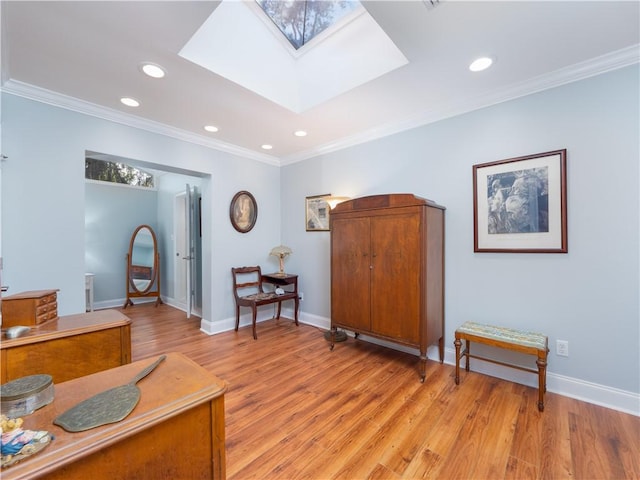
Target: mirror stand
<point x="143" y="266"/>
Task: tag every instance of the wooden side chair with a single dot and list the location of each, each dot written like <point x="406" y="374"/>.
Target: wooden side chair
<point x="248" y="292"/>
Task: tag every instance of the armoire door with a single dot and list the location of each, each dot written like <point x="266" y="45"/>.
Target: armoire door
<point x="350" y="272"/>
<point x="395" y="276"/>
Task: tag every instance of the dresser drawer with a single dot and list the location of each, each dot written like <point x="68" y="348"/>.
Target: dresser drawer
<point x="47" y="300"/>
<point x="46" y="316"/>
<point x="46" y="308"/>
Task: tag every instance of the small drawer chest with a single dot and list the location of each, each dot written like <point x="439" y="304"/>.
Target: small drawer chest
<point x="29" y="308"/>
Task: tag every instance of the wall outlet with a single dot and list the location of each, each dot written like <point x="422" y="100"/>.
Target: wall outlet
<point x="301" y="296"/>
<point x="562" y="348"/>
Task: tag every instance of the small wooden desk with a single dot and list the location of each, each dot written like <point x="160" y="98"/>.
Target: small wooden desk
<point x="281" y="279"/>
<point x="284" y="280"/>
<point x="69" y="347"/>
<point x="176" y="431"/>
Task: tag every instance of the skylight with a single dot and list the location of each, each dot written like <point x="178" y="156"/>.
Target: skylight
<point x="301" y="21"/>
<point x="240" y="43"/>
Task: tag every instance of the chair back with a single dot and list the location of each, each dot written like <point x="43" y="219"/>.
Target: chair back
<point x="246" y="281"/>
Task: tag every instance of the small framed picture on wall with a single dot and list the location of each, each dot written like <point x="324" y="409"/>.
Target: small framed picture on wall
<point x="317" y="213"/>
<point x="243" y="211"/>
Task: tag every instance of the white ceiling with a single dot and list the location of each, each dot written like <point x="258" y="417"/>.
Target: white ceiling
<point x="85" y="55"/>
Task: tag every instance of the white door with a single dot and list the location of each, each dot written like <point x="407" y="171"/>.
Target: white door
<point x="179" y="235"/>
<point x="185" y="252"/>
<point x="189" y="214"/>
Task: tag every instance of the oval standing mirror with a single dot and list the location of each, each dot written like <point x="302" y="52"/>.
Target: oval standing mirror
<point x="143" y="259"/>
<point x="143" y="265"/>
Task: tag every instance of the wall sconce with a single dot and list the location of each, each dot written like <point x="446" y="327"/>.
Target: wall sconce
<point x="281" y="252"/>
<point x="333" y="201"/>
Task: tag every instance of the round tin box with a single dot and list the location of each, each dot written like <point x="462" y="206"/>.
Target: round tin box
<point x="23" y="396"/>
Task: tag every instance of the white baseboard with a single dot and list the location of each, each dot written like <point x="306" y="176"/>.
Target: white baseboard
<point x="118" y="303"/>
<point x="213" y="328"/>
<point x="227" y="324"/>
<point x="181" y="306"/>
<point x="314" y="320"/>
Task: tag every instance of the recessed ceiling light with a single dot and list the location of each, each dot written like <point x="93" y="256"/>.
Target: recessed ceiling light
<point x="211" y="128"/>
<point x="300" y="133"/>
<point x="266" y="146"/>
<point x="130" y="102"/>
<point x="153" y="70"/>
<point x="480" y="64"/>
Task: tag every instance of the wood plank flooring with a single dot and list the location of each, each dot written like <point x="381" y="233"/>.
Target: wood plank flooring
<point x="296" y="410"/>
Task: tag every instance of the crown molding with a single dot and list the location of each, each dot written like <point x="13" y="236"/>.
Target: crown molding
<point x="612" y="61"/>
<point x="55" y="99"/>
<point x="579" y="71"/>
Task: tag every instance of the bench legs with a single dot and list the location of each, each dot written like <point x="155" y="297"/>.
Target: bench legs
<point x="457" y="343"/>
<point x="541" y="363"/>
<point x="254" y="314"/>
<point x="296" y="307"/>
<point x="465" y="353"/>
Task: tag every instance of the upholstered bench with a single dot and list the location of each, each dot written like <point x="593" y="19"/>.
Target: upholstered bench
<point x="510" y="339"/>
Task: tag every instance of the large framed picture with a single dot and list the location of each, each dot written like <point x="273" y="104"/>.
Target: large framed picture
<point x="243" y="211"/>
<point x="317" y="213"/>
<point x="520" y="204"/>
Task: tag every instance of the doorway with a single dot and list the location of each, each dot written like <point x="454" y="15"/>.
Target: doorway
<point x="113" y="211"/>
<point x="188" y="251"/>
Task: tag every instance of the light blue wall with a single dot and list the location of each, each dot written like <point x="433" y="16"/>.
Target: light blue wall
<point x="43" y="201"/>
<point x="589" y="296"/>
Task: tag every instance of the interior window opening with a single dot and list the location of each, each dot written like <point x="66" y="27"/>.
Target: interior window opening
<point x="117" y="172"/>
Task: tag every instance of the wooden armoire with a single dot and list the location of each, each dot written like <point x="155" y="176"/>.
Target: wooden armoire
<point x="387" y="271"/>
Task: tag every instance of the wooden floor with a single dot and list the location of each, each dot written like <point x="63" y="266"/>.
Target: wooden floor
<point x="296" y="410"/>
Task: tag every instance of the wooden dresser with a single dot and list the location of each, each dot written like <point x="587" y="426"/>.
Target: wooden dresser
<point x="29" y="308"/>
<point x="176" y="431"/>
<point x="387" y="270"/>
<point x="69" y="347"/>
